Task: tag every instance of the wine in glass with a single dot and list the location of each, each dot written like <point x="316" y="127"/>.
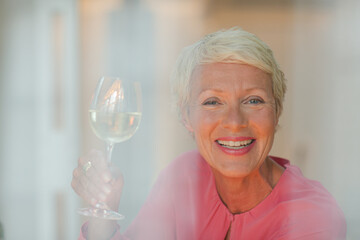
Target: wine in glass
<point x="115" y="114"/>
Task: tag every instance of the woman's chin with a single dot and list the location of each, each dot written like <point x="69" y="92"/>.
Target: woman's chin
<point x="234" y="171"/>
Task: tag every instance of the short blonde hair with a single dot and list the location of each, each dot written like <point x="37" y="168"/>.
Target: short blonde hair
<point x="233" y="45"/>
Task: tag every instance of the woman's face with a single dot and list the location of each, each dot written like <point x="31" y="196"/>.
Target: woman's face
<point x="232" y="115"/>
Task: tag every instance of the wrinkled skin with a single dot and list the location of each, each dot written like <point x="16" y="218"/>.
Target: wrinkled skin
<point x="100" y="183"/>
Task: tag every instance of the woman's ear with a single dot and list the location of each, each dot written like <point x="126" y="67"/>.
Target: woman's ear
<point x="277" y="122"/>
<point x="186" y="119"/>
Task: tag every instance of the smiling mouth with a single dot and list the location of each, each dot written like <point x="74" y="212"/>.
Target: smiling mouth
<point x="235" y="144"/>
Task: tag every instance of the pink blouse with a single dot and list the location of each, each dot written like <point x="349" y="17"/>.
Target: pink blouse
<point x="185" y="205"/>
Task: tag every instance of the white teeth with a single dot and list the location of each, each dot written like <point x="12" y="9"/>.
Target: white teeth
<point x="235" y="144"/>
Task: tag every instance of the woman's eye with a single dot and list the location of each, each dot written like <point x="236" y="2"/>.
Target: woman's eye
<point x="255" y="101"/>
<point x="211" y="102"/>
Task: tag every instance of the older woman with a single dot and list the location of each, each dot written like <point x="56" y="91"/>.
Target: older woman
<point x="229" y="92"/>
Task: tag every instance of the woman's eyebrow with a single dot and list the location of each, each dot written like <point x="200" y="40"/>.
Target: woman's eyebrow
<point x="211" y="90"/>
<point x="256" y="88"/>
<point x="259" y="89"/>
<point x="216" y="90"/>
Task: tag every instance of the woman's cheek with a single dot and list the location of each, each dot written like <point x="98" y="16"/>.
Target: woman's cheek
<point x="204" y="117"/>
<point x="266" y="120"/>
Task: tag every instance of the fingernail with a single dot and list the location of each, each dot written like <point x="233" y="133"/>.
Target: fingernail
<point x="102" y="197"/>
<point x="107" y="189"/>
<point x="107" y="177"/>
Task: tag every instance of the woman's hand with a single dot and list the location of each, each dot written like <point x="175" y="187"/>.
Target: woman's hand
<point x="96" y="182"/>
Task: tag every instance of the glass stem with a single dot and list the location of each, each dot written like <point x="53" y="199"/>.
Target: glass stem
<point x="109" y="148"/>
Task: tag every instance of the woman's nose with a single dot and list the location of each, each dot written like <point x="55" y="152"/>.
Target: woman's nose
<point x="235" y="119"/>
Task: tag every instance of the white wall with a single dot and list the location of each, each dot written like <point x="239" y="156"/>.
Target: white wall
<point x="325" y="99"/>
<point x="39" y="119"/>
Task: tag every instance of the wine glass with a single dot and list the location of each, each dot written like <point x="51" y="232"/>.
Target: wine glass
<point x="115" y="114"/>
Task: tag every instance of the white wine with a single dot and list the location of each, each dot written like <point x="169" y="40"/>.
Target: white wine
<point x="114" y="127"/>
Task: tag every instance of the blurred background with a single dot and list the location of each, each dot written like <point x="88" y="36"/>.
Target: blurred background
<point x="52" y="52"/>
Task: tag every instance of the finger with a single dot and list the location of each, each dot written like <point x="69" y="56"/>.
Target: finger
<point x="92" y="180"/>
<point x="97" y="158"/>
<point x="93" y="155"/>
<point x="98" y="165"/>
<point x="90" y="183"/>
<point x="92" y="190"/>
<point x="115" y="195"/>
<point x="83" y="194"/>
<point x="101" y="165"/>
<point x="117" y="181"/>
<point x="96" y="178"/>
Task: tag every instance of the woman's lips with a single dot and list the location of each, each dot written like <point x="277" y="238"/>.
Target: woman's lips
<point x="235" y="146"/>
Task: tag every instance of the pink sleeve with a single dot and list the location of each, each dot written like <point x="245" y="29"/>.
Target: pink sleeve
<point x="336" y="233"/>
<point x="315" y="224"/>
<point x="156" y="218"/>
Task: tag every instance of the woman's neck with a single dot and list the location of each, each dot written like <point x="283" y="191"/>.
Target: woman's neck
<point x="242" y="194"/>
